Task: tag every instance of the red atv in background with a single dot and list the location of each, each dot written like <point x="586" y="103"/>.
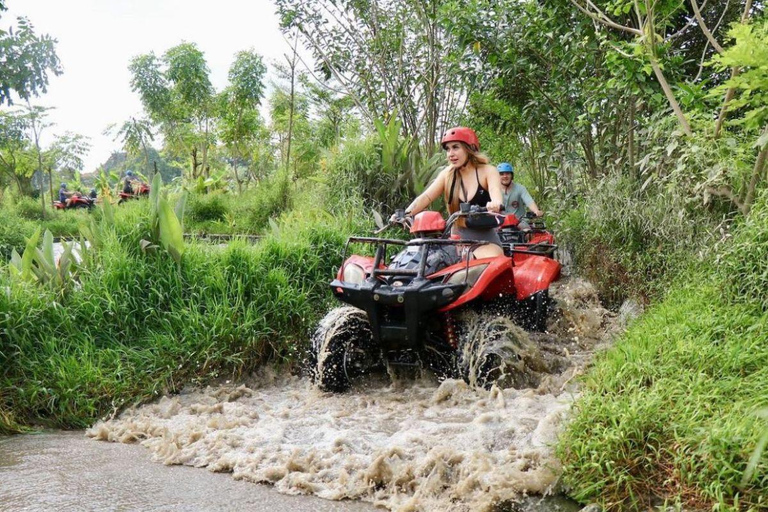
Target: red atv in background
<point x="77" y="200"/>
<point x="432" y="306"/>
<point x="520" y="243"/>
<point x="142" y="190"/>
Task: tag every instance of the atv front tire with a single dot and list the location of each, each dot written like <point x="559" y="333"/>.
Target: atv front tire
<point x="493" y="350"/>
<point x="539" y="311"/>
<point x="341" y="349"/>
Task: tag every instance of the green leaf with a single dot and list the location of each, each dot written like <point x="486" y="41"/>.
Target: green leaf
<point x="171" y="235"/>
<point x="180" y="207"/>
<point x="29" y="255"/>
<point x="762" y="141"/>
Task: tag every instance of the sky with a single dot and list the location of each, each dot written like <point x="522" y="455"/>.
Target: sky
<point x="98" y="38"/>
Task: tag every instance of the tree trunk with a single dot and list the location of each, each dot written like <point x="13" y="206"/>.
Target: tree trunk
<point x="237" y="178"/>
<point x="50" y="182"/>
<point x="756" y="173"/>
<point x="292" y="65"/>
<point x="670" y="96"/>
<point x="631" y="144"/>
<point x="734" y="73"/>
<point x="42" y="192"/>
<point x="194" y="163"/>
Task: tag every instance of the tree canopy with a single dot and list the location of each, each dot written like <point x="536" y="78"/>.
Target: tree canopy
<point x="26" y="59"/>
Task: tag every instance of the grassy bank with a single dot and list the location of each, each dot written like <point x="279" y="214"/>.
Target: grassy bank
<point x="136" y="324"/>
<point x="673" y="410"/>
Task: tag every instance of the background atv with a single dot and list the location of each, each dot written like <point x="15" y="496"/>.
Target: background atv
<point x="431" y="307"/>
<point x="141" y="191"/>
<point x="520" y="244"/>
<point x="78" y="201"/>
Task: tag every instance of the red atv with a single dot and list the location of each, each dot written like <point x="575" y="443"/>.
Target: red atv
<point x="77" y="201"/>
<point x="429" y="306"/>
<point x="520" y="243"/>
<point x="141" y="191"/>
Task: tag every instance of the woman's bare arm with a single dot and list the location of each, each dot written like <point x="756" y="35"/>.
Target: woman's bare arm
<point x="434" y="190"/>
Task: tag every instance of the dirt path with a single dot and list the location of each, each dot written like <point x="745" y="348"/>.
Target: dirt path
<point x="67" y="471"/>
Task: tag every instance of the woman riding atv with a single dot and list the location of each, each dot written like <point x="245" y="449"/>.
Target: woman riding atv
<point x="467" y="179"/>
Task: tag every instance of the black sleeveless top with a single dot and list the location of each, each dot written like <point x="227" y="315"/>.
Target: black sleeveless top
<point x="481" y="197"/>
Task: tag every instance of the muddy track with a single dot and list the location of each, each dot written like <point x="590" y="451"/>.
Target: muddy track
<point x="403" y="444"/>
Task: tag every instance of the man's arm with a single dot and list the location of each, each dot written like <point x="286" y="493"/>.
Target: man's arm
<point x="530" y="203"/>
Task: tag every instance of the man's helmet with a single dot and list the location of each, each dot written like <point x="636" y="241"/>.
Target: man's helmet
<point x="63" y="185"/>
<point x="505" y="167"/>
<point x="129" y="173"/>
<point x="461" y="134"/>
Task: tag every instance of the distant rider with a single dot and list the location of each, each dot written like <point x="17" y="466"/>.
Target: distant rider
<point x="128" y="184"/>
<point x="65" y="196"/>
<point x="516" y="196"/>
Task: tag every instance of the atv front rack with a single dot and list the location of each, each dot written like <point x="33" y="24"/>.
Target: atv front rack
<point x="395" y="311"/>
<point x="425" y="243"/>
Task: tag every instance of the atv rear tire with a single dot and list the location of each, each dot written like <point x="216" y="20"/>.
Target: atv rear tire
<point x="341" y="349"/>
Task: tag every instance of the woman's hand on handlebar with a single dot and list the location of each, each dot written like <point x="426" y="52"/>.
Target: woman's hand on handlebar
<point x="493" y="206"/>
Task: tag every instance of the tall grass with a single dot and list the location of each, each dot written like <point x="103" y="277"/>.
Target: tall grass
<point x="671" y="411"/>
<point x="139" y="324"/>
<point x="246" y="213"/>
<point x="631" y="241"/>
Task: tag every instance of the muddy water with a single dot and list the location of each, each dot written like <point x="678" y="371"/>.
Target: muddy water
<point x="404" y="445"/>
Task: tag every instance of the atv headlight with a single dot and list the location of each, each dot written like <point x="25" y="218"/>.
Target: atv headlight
<point x="353" y="274"/>
<point x="470" y="275"/>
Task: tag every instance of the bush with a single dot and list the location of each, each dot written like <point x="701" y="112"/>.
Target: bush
<point x="28" y="208"/>
<point x="632" y="242"/>
<point x="140" y="324"/>
<point x="267" y="200"/>
<point x="13" y="231"/>
<point x="743" y="266"/>
<point x="206" y="207"/>
<point x="670" y="410"/>
<point x="66" y="223"/>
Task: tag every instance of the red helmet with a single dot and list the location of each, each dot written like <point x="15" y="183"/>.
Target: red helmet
<point x="461" y="134"/>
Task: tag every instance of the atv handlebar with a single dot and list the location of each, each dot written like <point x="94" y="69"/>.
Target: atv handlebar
<point x="468" y="210"/>
<point x="399" y="218"/>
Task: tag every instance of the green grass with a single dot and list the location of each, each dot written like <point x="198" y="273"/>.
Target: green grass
<point x="633" y="243"/>
<point x="137" y="325"/>
<point x="672" y="411"/>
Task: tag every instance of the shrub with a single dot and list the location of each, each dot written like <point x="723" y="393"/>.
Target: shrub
<point x="670" y="411"/>
<point x="743" y="266"/>
<point x="66" y="223"/>
<point x="206" y="207"/>
<point x="13" y="231"/>
<point x="28" y="208"/>
<point x="270" y="197"/>
<point x="141" y="324"/>
<point x="633" y="242"/>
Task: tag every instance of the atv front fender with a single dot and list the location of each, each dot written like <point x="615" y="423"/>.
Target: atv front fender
<point x="498" y="279"/>
<point x="535" y="274"/>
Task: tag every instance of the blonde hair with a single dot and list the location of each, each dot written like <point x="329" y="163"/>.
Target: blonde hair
<point x="453" y="183"/>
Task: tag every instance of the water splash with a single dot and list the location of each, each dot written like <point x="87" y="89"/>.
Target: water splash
<point x="418" y="445"/>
